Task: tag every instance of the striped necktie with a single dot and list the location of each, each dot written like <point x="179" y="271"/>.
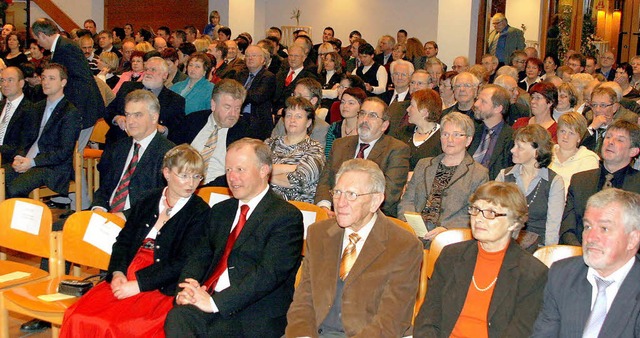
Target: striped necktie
<point x="349" y="256"/>
<point x="122" y="191"/>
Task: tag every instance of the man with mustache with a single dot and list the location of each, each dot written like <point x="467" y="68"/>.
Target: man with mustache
<point x="597" y="295"/>
<point x="391" y="155"/>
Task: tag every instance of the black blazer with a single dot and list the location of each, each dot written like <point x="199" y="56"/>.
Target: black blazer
<point x="260" y="96"/>
<point x="282" y="91"/>
<point x="171" y="110"/>
<point x="262" y="265"/>
<point x="147" y="175"/>
<point x="21" y="131"/>
<point x="173" y="244"/>
<point x="516" y="299"/>
<point x="81" y="88"/>
<point x="501" y="157"/>
<point x="388" y="96"/>
<point x="583" y="185"/>
<point x="57" y="142"/>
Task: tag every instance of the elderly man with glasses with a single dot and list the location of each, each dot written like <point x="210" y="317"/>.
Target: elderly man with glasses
<point x="390" y="154"/>
<point x="504" y="39"/>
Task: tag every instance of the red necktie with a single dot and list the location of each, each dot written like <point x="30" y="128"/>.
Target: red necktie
<point x="120" y="198"/>
<point x="363" y="147"/>
<point x="211" y="282"/>
<point x="289" y="78"/>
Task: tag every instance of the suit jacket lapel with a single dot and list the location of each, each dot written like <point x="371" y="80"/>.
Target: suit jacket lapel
<point x="507" y="278"/>
<point x="499" y="147"/>
<point x="254" y="220"/>
<point x="462" y="169"/>
<point x="373" y="247"/>
<point x="462" y="276"/>
<point x="331" y="247"/>
<point x="377" y="149"/>
<point x="624" y="306"/>
<point x="56" y="111"/>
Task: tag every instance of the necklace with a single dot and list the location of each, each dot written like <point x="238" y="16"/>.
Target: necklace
<point x="535" y="193"/>
<point x="169" y="206"/>
<point x="347" y="132"/>
<point x="473" y="279"/>
<point x="427" y="132"/>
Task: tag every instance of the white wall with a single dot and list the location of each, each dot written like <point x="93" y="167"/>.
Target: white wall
<point x="457" y="25"/>
<point x="527" y="12"/>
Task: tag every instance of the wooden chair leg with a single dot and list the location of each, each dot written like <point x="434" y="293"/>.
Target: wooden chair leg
<point x="4" y="319"/>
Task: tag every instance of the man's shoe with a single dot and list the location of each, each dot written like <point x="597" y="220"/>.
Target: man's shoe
<point x="56" y="205"/>
<point x="35" y="325"/>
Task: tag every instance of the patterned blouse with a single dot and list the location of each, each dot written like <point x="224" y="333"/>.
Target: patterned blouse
<point x="308" y="155"/>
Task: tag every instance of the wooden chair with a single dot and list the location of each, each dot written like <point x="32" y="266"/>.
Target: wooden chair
<point x="213" y="195"/>
<point x="92" y="156"/>
<point x="443" y="239"/>
<point x="72" y="247"/>
<point x="2" y="183"/>
<point x="41" y="244"/>
<point x="402" y="224"/>
<point x="74" y="186"/>
<point x="551" y="253"/>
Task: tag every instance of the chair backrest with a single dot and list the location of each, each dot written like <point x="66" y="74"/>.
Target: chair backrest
<point x="213" y="195"/>
<point x="99" y="131"/>
<point x="551" y="253"/>
<point x="2" y="183"/>
<point x="25" y="226"/>
<point x="87" y="234"/>
<point x="402" y="224"/>
<point x="440" y="241"/>
<point x="311" y="213"/>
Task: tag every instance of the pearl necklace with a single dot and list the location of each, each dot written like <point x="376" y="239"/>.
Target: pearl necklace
<point x="473" y="279"/>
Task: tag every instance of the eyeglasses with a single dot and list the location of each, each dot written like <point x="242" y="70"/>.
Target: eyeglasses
<point x="362" y="114"/>
<point x="601" y="105"/>
<point x="487" y="213"/>
<point x="186" y="177"/>
<point x="454" y="134"/>
<point x="349" y="195"/>
<point x="464" y="85"/>
<point x="400" y="75"/>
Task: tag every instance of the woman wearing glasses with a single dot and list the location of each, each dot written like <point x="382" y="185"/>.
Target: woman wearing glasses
<point x="543" y="188"/>
<point x="297" y="159"/>
<point x="488" y="286"/>
<point x="440" y="186"/>
<point x="148" y="256"/>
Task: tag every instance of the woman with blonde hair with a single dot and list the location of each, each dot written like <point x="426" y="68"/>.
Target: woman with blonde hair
<point x="108" y="63"/>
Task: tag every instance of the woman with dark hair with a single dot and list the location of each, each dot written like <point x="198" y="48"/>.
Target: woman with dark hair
<point x="148" y="256"/>
<point x="347" y="81"/>
<point x="488" y="286"/>
<point x="143" y="35"/>
<point x="445" y="88"/>
<point x="422" y="134"/>
<point x="14" y="56"/>
<point x="624" y="72"/>
<point x="550" y="64"/>
<point x="184" y="51"/>
<point x="350" y="103"/>
<point x="135" y="74"/>
<point x="170" y="55"/>
<point x="129" y="33"/>
<point x="330" y="71"/>
<point x="532" y="72"/>
<point x="196" y="90"/>
<point x="544" y="98"/>
<point x="297" y="159"/>
<point x="543" y="188"/>
<point x="440" y="187"/>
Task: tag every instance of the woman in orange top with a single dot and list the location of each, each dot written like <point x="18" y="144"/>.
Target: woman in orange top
<point x="488" y="286"/>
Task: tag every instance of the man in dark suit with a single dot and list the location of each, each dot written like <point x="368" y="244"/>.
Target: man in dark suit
<point x="142" y="111"/>
<point x="243" y="287"/>
<point x="105" y="41"/>
<point x="620" y="146"/>
<point x="465" y="87"/>
<point x="398" y="115"/>
<point x="493" y="139"/>
<point x="401" y="72"/>
<point x="234" y="61"/>
<point x="598" y="295"/>
<point x="172" y="105"/>
<point x="17" y="116"/>
<point x="210" y="132"/>
<point x="347" y="292"/>
<point x="81" y="88"/>
<point x="49" y="161"/>
<point x="261" y="86"/>
<point x="387" y="42"/>
<point x="391" y="155"/>
<point x="606" y="65"/>
<point x="504" y="39"/>
<point x="605" y="110"/>
<point x="286" y="79"/>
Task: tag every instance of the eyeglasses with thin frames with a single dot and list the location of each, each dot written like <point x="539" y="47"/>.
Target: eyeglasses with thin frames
<point x="349" y="195"/>
<point x="186" y="177"/>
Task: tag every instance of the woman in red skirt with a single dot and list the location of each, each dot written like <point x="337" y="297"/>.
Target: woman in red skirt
<point x="148" y="256"/>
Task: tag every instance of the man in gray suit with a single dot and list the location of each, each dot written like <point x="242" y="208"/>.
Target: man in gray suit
<point x="598" y="295"/>
<point x="504" y="39"/>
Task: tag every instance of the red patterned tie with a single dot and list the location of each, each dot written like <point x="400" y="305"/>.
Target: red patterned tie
<point x="120" y="198"/>
<point x="363" y="147"/>
<point x="211" y="282"/>
<point x="289" y="78"/>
